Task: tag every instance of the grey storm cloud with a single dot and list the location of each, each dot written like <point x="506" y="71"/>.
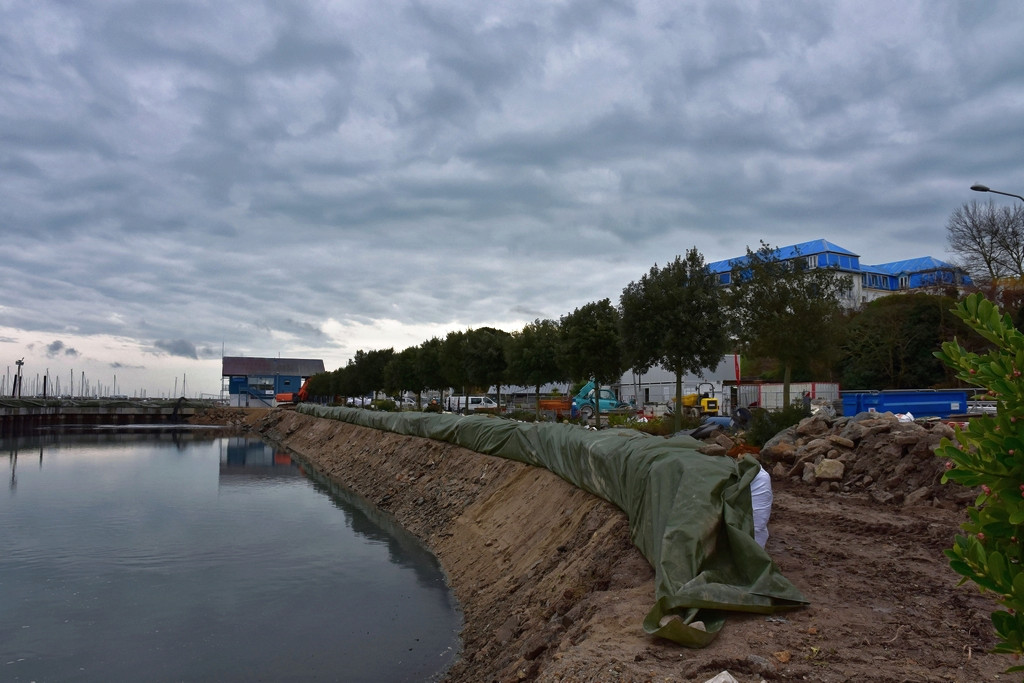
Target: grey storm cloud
<point x="201" y="166"/>
<point x="57" y="348"/>
<point x="177" y="347"/>
<point x="307" y="328"/>
<point x="126" y="366"/>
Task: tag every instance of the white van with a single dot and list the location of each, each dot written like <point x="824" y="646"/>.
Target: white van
<point x="457" y="404"/>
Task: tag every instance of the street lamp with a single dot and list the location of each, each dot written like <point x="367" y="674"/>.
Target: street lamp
<point x="16" y="393"/>
<point x="985" y="188"/>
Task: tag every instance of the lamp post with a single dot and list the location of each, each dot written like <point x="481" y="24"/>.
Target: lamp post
<point x="17" y="379"/>
<point x="985" y="188"/>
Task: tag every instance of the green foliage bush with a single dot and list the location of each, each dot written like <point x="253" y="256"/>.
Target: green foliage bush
<point x="765" y="424"/>
<point x="616" y="420"/>
<point x="386" y="405"/>
<point x="658" y="426"/>
<point x="988" y="454"/>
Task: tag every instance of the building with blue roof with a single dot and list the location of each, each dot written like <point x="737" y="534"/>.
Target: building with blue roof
<point x="867" y="282"/>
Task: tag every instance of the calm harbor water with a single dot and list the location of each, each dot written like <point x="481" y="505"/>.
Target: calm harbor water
<point x="172" y="557"/>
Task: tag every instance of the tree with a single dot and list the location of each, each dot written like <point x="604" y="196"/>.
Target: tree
<point x="785" y="310"/>
<point x="321" y="384"/>
<point x="485" y="358"/>
<point x="428" y="365"/>
<point x="452" y="361"/>
<point x="673" y="318"/>
<point x="400" y="372"/>
<point x="365" y="371"/>
<point x="532" y="356"/>
<point x="342" y="383"/>
<point x="591" y="346"/>
<point x="989" y="240"/>
<point x="890" y="343"/>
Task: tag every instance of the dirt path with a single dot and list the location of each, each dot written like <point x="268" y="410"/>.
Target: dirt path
<point x="553" y="590"/>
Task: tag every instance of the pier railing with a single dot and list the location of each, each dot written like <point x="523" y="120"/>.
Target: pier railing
<point x="19" y="414"/>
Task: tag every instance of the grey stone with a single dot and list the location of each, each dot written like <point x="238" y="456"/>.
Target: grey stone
<point x="841" y="441"/>
<point x="724" y="441"/>
<point x="829" y="470"/>
<point x="812" y="426"/>
<point x="918" y="496"/>
<point x="881" y="496"/>
<point x="783" y="451"/>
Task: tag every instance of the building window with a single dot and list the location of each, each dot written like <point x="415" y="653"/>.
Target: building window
<point x="261" y="383"/>
<point x="812" y="261"/>
<point x="904" y="282"/>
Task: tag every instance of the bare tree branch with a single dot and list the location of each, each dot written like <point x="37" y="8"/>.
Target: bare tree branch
<point x="988" y="241"/>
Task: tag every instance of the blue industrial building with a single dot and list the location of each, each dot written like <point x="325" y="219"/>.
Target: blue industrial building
<point x="866" y="282"/>
<point x="254" y="382"/>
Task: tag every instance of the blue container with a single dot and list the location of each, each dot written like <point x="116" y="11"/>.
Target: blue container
<point x="918" y="402"/>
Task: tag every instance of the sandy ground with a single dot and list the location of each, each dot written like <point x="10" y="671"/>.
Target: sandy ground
<point x="552" y="589"/>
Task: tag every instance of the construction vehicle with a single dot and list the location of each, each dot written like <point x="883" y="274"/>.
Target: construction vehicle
<point x="582" y="404"/>
<point x="701" y="403"/>
<point x="607" y="401"/>
<point x="294" y="396"/>
<point x="559" y="406"/>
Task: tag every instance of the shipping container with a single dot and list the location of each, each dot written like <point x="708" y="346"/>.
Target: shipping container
<point x="918" y="402"/>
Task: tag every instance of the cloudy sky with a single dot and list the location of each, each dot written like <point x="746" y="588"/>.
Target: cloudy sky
<point x="306" y="179"/>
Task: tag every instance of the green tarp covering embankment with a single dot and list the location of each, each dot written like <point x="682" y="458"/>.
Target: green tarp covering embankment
<point x="689" y="514"/>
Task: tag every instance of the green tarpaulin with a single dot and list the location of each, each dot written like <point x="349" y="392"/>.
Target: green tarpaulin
<point x="689" y="514"/>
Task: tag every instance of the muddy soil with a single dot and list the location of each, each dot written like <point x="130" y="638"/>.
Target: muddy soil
<point x="553" y="590"/>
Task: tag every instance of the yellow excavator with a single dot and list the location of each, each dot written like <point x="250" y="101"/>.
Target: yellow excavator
<point x="701" y="403"/>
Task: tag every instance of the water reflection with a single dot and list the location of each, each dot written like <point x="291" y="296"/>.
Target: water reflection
<point x="18" y="443"/>
<point x="181" y="557"/>
<point x="98" y="435"/>
<point x="13" y="457"/>
<point x="374" y="524"/>
<point x="245" y="457"/>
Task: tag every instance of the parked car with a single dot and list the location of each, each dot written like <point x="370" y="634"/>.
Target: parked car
<point x="457" y="404"/>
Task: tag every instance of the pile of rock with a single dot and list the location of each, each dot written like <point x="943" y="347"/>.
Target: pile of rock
<point x="238" y="419"/>
<point x="893" y="462"/>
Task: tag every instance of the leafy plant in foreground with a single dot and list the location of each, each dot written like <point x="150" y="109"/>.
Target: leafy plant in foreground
<point x="989" y="454"/>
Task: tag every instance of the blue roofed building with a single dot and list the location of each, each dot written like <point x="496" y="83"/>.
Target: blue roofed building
<point x="255" y="382"/>
<point x="867" y="282"/>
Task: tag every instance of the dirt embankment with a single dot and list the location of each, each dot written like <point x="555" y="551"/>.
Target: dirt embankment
<point x="553" y="590"/>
